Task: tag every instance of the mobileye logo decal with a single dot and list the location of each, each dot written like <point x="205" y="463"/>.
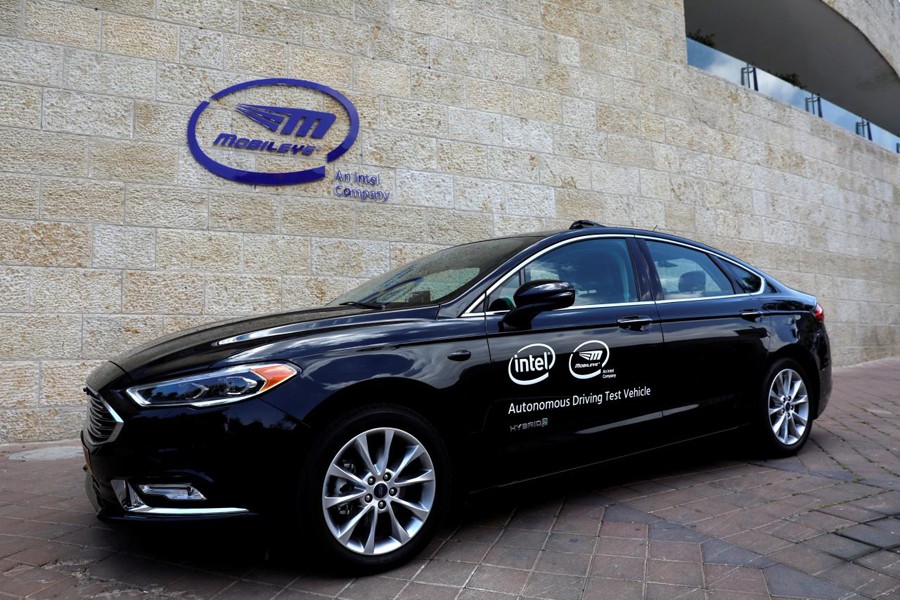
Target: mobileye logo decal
<point x="531" y="364"/>
<point x="588" y="359"/>
<point x="296" y="155"/>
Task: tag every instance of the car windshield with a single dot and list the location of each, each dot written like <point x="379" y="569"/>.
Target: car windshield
<point x="437" y="277"/>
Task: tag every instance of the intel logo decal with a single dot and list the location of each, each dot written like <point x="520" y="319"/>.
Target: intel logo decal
<point x="272" y="131"/>
<point x="531" y="364"/>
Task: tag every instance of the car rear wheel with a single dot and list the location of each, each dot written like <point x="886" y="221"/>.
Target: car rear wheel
<point x="785" y="421"/>
<point x="376" y="487"/>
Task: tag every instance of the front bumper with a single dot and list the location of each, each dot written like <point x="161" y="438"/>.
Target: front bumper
<point x="185" y="464"/>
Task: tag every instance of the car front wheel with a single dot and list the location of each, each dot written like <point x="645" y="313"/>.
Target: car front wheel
<point x="375" y="488"/>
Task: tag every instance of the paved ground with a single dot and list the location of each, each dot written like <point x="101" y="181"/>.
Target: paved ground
<point x="702" y="522"/>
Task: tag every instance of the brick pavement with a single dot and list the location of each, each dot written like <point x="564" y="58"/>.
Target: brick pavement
<point x="705" y="521"/>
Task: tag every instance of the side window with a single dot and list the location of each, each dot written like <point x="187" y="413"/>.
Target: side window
<point x="687" y="273"/>
<point x="748" y="282"/>
<point x="599" y="269"/>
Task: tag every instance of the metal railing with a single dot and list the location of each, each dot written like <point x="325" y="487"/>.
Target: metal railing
<point x="739" y="72"/>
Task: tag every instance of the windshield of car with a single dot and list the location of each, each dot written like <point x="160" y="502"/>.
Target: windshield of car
<point x="437" y="277"/>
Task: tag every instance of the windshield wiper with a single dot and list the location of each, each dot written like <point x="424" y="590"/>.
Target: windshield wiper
<point x="374" y="305"/>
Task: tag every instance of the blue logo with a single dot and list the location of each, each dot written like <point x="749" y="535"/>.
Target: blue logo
<point x="297" y="124"/>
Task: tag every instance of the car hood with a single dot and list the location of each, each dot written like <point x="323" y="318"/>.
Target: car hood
<point x="208" y="345"/>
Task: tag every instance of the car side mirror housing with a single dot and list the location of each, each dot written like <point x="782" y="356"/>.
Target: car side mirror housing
<point x="536" y="297"/>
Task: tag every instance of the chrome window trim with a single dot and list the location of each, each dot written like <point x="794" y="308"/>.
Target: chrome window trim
<point x="762" y="279"/>
<point x="472" y="307"/>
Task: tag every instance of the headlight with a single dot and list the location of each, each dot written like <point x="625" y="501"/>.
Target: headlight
<point x="217" y="387"/>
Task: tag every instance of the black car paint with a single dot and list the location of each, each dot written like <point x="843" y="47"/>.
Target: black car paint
<point x="451" y="368"/>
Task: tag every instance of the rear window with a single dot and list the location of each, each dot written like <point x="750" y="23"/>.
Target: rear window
<point x="687" y="273"/>
<point x="748" y="283"/>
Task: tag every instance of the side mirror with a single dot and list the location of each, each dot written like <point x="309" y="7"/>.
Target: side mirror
<point x="536" y="297"/>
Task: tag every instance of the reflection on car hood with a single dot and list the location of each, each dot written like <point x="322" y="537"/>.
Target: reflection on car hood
<point x="208" y="344"/>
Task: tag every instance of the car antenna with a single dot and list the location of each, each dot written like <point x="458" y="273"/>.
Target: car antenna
<point x="583" y="223"/>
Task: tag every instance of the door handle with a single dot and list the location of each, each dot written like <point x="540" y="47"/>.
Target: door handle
<point x="636" y="323"/>
<point x="459" y="355"/>
<point x="751" y="314"/>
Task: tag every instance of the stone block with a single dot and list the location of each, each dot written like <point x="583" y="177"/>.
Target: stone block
<point x="404" y="252"/>
<point x="424" y="189"/>
<point x="25" y="392"/>
<point x="42" y="244"/>
<point x="278" y="254"/>
<point x="434" y="86"/>
<point x="505" y="67"/>
<point x="60" y="154"/>
<point x="625" y="150"/>
<point x="539" y="106"/>
<point x="159" y="122"/>
<point x="272" y="21"/>
<point x="242" y="294"/>
<point x="503" y="197"/>
<point x="565" y="172"/>
<point x="20" y="106"/>
<point x="490" y="96"/>
<point x="615" y="179"/>
<point x="187" y="84"/>
<point x="402" y="223"/>
<point x="105" y="337"/>
<point x="462" y="159"/>
<point x="166" y="207"/>
<point x="10" y="17"/>
<point x="201" y="47"/>
<point x="198" y="251"/>
<point x="381" y="77"/>
<point x="588" y="144"/>
<point x="424" y="18"/>
<point x="456" y="57"/>
<point x="579" y="113"/>
<point x="350" y="258"/>
<point x="315" y="64"/>
<point x="62" y="382"/>
<point x="655" y="184"/>
<point x="515" y="165"/>
<point x="406" y="47"/>
<point x="450" y="227"/>
<point x="81" y="200"/>
<point x="254" y="55"/>
<point x="309" y="292"/>
<point x="144" y="38"/>
<point x="329" y="31"/>
<point x="400" y="150"/>
<point x="34" y="425"/>
<point x="31" y="62"/>
<point x="157" y="292"/>
<point x="107" y="74"/>
<point x="512" y="225"/>
<point x="62" y="24"/>
<point x="19" y="196"/>
<point x="124" y="247"/>
<point x="47" y="335"/>
<point x="331" y="218"/>
<point x="527" y="135"/>
<point x="243" y="212"/>
<point x="15" y="289"/>
<point x="76" y="291"/>
<point x="422" y="118"/>
<point x="139" y="8"/>
<point x="133" y="161"/>
<point x="475" y="126"/>
<point x="208" y="14"/>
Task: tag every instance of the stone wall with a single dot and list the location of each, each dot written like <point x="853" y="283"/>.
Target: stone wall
<point x="483" y="118"/>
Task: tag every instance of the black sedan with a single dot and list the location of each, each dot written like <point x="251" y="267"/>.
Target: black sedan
<point x="478" y="366"/>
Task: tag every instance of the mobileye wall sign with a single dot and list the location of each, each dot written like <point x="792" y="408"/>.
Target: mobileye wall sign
<point x="287" y="141"/>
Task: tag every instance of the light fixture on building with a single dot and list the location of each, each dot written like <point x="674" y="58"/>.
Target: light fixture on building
<point x="748" y="77"/>
<point x="864" y="128"/>
<point x="814" y="104"/>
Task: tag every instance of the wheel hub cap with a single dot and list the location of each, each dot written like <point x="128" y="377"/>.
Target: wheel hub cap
<point x="788" y="407"/>
<point x="376" y="518"/>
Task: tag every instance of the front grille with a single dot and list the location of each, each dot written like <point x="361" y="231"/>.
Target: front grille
<point x="102" y="424"/>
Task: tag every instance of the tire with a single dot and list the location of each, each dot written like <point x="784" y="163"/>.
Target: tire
<point x="784" y="410"/>
<point x="368" y="510"/>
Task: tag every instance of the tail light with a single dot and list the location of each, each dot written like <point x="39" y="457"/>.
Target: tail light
<point x="819" y="313"/>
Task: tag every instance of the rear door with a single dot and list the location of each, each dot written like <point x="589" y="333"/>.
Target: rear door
<point x="715" y="337"/>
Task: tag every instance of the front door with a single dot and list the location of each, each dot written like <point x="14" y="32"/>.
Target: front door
<point x="575" y="385"/>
